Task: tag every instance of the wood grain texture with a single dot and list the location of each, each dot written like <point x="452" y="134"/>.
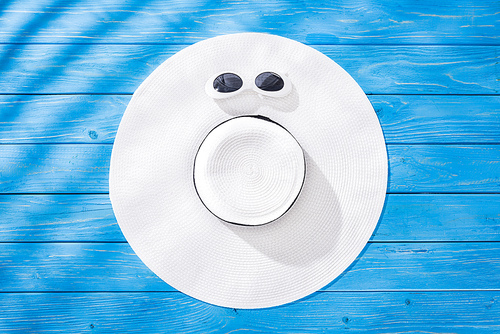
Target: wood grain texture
<point x="327" y="22"/>
<point x="119" y="69"/>
<point x="54" y="168"/>
<point x="427" y="168"/>
<point x="431" y="70"/>
<point x="160" y="312"/>
<point x="52" y="218"/>
<point x="95" y="118"/>
<point x="61" y="118"/>
<point x="58" y="218"/>
<point x="380" y="267"/>
<point x="439" y="119"/>
<point x="444" y="217"/>
<point x="84" y="168"/>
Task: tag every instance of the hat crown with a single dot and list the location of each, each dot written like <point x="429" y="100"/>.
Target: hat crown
<point x="249" y="171"/>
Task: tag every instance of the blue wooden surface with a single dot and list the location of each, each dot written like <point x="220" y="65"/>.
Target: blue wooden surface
<point x="431" y="72"/>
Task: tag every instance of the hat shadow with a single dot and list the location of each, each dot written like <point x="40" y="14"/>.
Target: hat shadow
<point x="250" y="102"/>
<point x="301" y="236"/>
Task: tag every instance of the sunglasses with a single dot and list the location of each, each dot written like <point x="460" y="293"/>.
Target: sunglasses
<point x="267" y="83"/>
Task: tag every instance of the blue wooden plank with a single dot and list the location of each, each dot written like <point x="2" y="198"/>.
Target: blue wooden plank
<point x="386" y="68"/>
<point x="397" y="70"/>
<point x="380" y="267"/>
<point x="417" y="69"/>
<point x="382" y="22"/>
<point x="173" y="312"/>
<point x="54" y="168"/>
<point x="58" y="218"/>
<point x="425" y="168"/>
<point x="412" y="168"/>
<point x="95" y="118"/>
<point x="61" y="118"/>
<point x="379" y="69"/>
<point x="439" y="218"/>
<point x="406" y="217"/>
<point x="439" y="119"/>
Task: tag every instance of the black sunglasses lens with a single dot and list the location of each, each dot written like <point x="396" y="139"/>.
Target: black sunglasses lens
<point x="269" y="81"/>
<point x="227" y="83"/>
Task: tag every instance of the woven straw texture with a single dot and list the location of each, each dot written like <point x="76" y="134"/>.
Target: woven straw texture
<point x="249" y="171"/>
<point x="155" y="200"/>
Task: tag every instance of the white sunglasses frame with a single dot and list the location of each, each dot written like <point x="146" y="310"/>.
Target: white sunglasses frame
<point x="247" y="85"/>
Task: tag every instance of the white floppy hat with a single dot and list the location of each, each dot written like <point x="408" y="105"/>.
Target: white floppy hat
<point x="248" y="171"/>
